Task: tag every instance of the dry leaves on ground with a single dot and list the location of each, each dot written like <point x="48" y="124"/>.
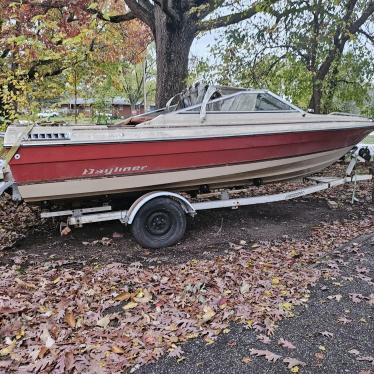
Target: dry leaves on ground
<point x="16" y="219"/>
<point x="118" y="316"/>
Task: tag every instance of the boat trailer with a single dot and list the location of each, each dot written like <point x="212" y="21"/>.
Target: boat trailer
<point x="158" y="219"/>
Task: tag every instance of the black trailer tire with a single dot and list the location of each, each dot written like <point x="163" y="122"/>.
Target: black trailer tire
<point x="159" y="223"/>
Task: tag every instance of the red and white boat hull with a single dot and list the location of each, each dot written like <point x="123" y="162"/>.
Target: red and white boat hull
<point x="52" y="172"/>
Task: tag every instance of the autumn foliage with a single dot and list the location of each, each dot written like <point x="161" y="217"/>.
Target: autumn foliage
<point x="39" y="42"/>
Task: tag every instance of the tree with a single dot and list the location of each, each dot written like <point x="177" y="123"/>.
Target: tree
<point x="174" y="25"/>
<point x="133" y="78"/>
<point x="30" y="49"/>
<point x="40" y="41"/>
<point x="314" y="36"/>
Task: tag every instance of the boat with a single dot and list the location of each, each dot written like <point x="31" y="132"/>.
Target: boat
<point x="207" y="136"/>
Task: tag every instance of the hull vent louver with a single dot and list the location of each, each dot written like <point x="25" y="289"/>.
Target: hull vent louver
<point x="49" y="136"/>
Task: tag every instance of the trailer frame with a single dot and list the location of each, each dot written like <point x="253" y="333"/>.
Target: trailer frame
<point x="80" y="217"/>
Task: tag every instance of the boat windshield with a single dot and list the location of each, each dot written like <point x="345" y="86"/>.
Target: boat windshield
<point x="245" y="102"/>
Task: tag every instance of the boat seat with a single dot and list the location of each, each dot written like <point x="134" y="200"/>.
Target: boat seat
<point x="192" y="96"/>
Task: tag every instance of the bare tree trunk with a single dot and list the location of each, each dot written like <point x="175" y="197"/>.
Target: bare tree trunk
<point x="75" y="97"/>
<point x="331" y="85"/>
<point x="173" y="44"/>
<point x="315" y="100"/>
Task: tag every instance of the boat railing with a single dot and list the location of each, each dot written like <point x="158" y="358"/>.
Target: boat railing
<point x="347" y="114"/>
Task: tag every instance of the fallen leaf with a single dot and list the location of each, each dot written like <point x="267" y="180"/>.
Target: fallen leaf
<point x="208" y="341"/>
<point x="354" y="352"/>
<point x="176" y="352"/>
<point x="286" y="344"/>
<point x="263" y="338"/>
<point x="235" y="246"/>
<point x="118" y="350"/>
<point x="249" y="323"/>
<point x="270" y="356"/>
<point x="246" y="359"/>
<point x="42" y="352"/>
<point x="123" y="296"/>
<point x="356" y="297"/>
<point x="344" y="320"/>
<point x="244" y="288"/>
<point x="287" y="306"/>
<point x="209" y="313"/>
<point x="371" y="299"/>
<point x="335" y="297"/>
<point x="143" y="297"/>
<point x="130" y="305"/>
<point x="7" y="350"/>
<point x="25" y="284"/>
<point x="366" y="358"/>
<point x="362" y="270"/>
<point x="69" y="318"/>
<point x="293" y="362"/>
<point x="327" y="334"/>
<point x="232" y="343"/>
<point x="103" y="322"/>
<point x="46" y="338"/>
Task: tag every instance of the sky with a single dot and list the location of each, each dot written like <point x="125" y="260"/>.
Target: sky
<point x="200" y="46"/>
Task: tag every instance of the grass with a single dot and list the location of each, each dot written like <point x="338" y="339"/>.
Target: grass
<point x="369" y="140"/>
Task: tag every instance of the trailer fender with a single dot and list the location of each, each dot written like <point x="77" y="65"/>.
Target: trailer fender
<point x="4" y="186"/>
<point x="135" y="207"/>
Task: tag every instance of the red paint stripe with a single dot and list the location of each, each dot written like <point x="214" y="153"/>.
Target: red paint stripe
<point x="61" y="162"/>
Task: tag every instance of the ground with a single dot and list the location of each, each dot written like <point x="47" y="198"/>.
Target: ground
<point x="97" y="301"/>
<point x="331" y="334"/>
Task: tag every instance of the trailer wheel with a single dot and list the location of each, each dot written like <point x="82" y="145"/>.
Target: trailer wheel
<point x="159" y="223"/>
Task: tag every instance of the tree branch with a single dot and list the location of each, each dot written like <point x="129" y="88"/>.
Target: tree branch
<point x="368" y="12"/>
<point x="231" y="19"/>
<point x="114" y="19"/>
<point x="45" y="4"/>
<point x="143" y="10"/>
<point x="5" y="53"/>
<point x="339" y="43"/>
<point x="168" y="9"/>
<point x="204" y="7"/>
<point x="31" y="74"/>
<point x="368" y="36"/>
